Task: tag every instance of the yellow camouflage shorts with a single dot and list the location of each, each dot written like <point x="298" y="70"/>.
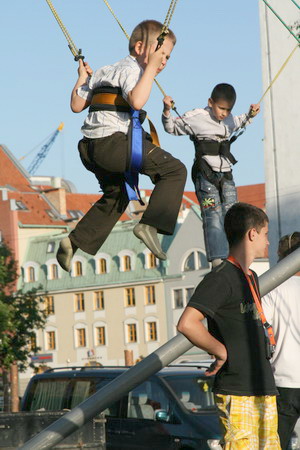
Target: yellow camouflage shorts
<point x="248" y="422"/>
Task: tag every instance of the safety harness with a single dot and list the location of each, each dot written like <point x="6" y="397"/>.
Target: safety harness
<point x="109" y="98"/>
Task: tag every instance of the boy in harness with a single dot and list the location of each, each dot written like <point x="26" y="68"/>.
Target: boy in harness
<point x="210" y="130"/>
<point x="115" y="94"/>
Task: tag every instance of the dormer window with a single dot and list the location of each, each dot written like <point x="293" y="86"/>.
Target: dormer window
<point x="126" y="263"/>
<point x="50" y="247"/>
<point x="31" y="274"/>
<point x="127" y="260"/>
<point x="78" y="269"/>
<point x="102" y="265"/>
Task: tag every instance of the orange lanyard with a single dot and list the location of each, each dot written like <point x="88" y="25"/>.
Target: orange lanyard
<point x="256" y="297"/>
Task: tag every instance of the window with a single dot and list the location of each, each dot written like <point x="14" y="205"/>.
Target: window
<point x="178" y="298"/>
<point x="151" y="261"/>
<point x="78" y="269"/>
<point x="20" y="206"/>
<point x="189" y="292"/>
<point x="102" y="265"/>
<point x="75" y="214"/>
<point x="189" y="264"/>
<point x="151" y="331"/>
<point x="31" y="274"/>
<point x="131" y="332"/>
<point x="127" y="263"/>
<point x="50" y="247"/>
<point x="33" y="343"/>
<point x="182" y="297"/>
<point x="49" y="305"/>
<point x="50" y="340"/>
<point x="81" y="338"/>
<point x="100" y="336"/>
<point x="129" y="297"/>
<point x="98" y="300"/>
<point x="148" y="397"/>
<point x="54" y="272"/>
<point x="150" y="295"/>
<point x="195" y="261"/>
<point x="79" y="302"/>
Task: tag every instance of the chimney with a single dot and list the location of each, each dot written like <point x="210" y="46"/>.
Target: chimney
<point x="58" y="199"/>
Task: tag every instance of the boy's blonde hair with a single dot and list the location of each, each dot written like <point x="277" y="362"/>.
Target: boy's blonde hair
<point x="147" y="32"/>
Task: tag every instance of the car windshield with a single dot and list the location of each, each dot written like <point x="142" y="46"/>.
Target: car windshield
<point x="194" y="392"/>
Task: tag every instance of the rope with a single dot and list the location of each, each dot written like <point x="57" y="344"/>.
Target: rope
<point x="279" y="72"/>
<point x="165" y="28"/>
<point x="117" y="20"/>
<point x="74" y="50"/>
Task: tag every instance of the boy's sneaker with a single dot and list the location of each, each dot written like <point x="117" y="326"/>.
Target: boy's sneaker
<point x="148" y="235"/>
<point x="65" y="253"/>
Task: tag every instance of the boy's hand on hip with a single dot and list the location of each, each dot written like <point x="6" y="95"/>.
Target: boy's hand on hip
<point x="217" y="364"/>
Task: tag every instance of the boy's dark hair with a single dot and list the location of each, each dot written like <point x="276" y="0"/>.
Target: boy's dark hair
<point x="223" y="91"/>
<point x="287" y="244"/>
<point x="240" y="218"/>
<point x="148" y="31"/>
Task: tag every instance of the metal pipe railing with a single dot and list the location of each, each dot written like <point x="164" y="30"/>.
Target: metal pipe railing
<point x="124" y="383"/>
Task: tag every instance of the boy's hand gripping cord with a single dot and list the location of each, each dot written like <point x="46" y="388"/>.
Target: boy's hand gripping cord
<point x="74" y="50"/>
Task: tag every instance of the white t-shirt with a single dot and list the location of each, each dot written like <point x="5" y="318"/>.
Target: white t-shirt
<point x="124" y="74"/>
<point x="282" y="309"/>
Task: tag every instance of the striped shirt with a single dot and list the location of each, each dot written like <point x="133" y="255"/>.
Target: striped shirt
<point x="124" y="74"/>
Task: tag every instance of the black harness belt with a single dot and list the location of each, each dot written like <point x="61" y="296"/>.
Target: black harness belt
<point x="213" y="148"/>
<point x="108" y="98"/>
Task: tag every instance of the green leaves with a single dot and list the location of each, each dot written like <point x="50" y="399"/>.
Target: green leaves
<point x="20" y="315"/>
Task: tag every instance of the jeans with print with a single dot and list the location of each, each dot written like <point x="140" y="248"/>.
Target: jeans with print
<point x="214" y="205"/>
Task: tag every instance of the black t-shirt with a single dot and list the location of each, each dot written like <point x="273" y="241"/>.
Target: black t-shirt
<point x="224" y="297"/>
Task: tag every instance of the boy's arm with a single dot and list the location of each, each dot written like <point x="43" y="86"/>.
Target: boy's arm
<point x="171" y="125"/>
<point x="191" y="326"/>
<point x="253" y="111"/>
<point x="78" y="103"/>
<point x="141" y="92"/>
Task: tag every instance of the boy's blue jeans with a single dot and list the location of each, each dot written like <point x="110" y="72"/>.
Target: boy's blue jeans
<point x="214" y="206"/>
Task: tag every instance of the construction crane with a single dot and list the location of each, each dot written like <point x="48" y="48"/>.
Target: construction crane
<point x="44" y="150"/>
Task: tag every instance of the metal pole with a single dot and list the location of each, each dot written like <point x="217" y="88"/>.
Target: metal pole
<point x="163" y="356"/>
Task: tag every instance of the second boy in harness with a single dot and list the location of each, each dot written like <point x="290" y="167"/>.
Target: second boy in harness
<point x="210" y="129"/>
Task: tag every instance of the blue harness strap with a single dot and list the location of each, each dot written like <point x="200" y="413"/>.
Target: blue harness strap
<point x="136" y="159"/>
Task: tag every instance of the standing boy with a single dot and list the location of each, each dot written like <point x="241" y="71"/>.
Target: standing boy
<point x="210" y="129"/>
<point x="105" y="148"/>
<point x="244" y="387"/>
<point x="282" y="308"/>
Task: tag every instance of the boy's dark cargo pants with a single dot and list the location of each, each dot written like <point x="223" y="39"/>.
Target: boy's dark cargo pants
<point x="107" y="159"/>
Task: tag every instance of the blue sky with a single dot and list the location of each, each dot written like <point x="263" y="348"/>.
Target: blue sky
<point x="217" y="42"/>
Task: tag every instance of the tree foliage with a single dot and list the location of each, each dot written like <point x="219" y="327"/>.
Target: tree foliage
<point x="21" y="313"/>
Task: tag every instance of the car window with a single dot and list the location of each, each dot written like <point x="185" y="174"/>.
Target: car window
<point x="114" y="409"/>
<point x="194" y="392"/>
<point x="146" y="399"/>
<point x="54" y="394"/>
<point x="48" y="395"/>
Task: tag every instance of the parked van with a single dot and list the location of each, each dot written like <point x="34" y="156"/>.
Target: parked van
<point x="173" y="409"/>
